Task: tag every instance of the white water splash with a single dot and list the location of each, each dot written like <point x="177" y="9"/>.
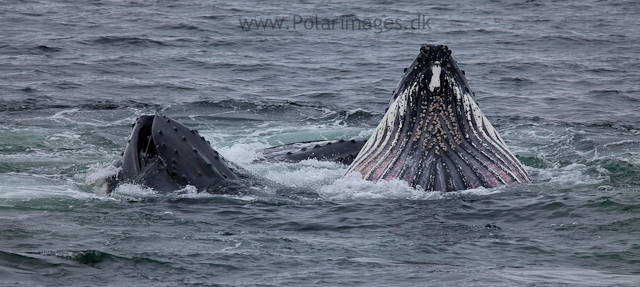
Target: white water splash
<point x="29" y="186"/>
<point x="353" y="187"/>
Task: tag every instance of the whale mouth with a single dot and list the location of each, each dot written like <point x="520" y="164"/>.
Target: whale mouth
<point x="145" y="147"/>
<point x="434" y="135"/>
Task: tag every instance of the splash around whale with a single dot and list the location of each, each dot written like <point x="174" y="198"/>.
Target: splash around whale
<point x="433" y="136"/>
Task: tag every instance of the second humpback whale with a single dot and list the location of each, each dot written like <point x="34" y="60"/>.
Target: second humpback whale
<point x="433" y="136"/>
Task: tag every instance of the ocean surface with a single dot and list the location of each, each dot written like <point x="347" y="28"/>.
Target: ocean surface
<point x="560" y="81"/>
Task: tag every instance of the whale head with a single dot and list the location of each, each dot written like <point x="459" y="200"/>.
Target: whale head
<point x="434" y="135"/>
<point x="166" y="155"/>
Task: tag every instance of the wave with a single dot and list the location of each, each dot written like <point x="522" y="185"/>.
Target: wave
<point x="126" y="41"/>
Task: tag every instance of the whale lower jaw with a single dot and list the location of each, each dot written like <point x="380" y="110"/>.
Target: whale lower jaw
<point x="434" y="135"/>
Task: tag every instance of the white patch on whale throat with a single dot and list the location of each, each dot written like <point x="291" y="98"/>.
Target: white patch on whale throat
<point x="435" y="77"/>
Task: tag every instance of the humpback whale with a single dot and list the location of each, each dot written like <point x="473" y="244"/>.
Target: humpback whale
<point x="165" y="155"/>
<point x="433" y="136"/>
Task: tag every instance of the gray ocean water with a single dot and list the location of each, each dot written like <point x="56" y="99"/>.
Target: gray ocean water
<point x="558" y="79"/>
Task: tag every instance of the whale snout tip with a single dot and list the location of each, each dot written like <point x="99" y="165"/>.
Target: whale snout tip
<point x="434" y="53"/>
<point x="425" y="48"/>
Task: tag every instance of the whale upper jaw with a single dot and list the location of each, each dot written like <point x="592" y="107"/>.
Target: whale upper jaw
<point x="434" y="135"/>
